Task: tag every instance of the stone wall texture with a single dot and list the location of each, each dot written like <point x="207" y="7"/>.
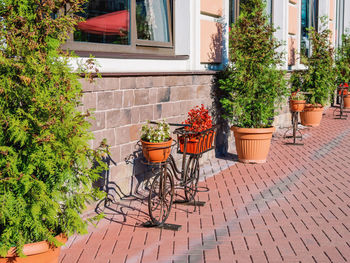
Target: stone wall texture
<point x="122" y="104"/>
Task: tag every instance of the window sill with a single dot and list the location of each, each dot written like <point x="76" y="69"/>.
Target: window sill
<point x="100" y="54"/>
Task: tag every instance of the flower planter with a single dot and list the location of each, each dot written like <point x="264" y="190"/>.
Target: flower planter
<point x="39" y="252"/>
<point x="198" y="144"/>
<point x="156" y="152"/>
<point x="345" y="91"/>
<point x="252" y="144"/>
<point x="347" y="102"/>
<point x="297" y="105"/>
<point x="312" y="115"/>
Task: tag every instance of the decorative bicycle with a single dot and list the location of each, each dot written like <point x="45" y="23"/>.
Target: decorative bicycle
<point x="169" y="177"/>
<point x="341" y="93"/>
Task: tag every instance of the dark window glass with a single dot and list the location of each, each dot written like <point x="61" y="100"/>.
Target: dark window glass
<point x="107" y="21"/>
<point x="152" y="20"/>
<point x="235" y="6"/>
<point x="309" y="18"/>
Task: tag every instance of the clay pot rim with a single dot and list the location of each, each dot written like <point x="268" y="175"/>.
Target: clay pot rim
<point x="157" y="143"/>
<point x="300" y="101"/>
<point x="309" y="105"/>
<point x="253" y="130"/>
<point x="36" y="247"/>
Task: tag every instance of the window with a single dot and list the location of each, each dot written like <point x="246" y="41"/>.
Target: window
<point x="339" y="26"/>
<point x="124" y="27"/>
<point x="235" y="9"/>
<point x="309" y="18"/>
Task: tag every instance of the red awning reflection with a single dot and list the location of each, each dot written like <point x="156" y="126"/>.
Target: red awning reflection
<point x="115" y="23"/>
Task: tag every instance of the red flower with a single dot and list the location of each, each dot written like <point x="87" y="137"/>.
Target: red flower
<point x="199" y="118"/>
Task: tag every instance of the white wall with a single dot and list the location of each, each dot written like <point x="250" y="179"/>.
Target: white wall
<point x="347" y="15"/>
<point x="280" y="21"/>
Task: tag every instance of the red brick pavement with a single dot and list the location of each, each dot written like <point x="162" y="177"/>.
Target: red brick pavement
<point x="294" y="208"/>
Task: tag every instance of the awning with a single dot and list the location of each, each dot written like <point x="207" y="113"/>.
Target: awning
<point x="115" y="23"/>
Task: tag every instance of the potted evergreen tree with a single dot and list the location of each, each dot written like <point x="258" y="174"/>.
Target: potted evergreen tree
<point x="343" y="67"/>
<point x="253" y="83"/>
<point x="45" y="158"/>
<point x="318" y="80"/>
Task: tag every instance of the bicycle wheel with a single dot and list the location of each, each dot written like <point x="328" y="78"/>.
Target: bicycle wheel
<point x="160" y="198"/>
<point x="191" y="179"/>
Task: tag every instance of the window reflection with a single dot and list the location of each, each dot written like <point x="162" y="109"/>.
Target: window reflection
<point x="152" y="20"/>
<point x="309" y="18"/>
<point x="107" y="21"/>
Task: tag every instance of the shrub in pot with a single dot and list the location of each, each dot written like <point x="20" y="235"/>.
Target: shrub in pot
<point x="45" y="158"/>
<point x="342" y="62"/>
<point x="156" y="142"/>
<point x="253" y="83"/>
<point x="202" y="137"/>
<point x="318" y="80"/>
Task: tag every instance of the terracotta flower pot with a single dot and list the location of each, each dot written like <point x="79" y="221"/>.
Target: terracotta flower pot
<point x="252" y="144"/>
<point x="347" y="102"/>
<point x="39" y="252"/>
<point x="312" y="115"/>
<point x="297" y="105"/>
<point x="156" y="152"/>
<point x="197" y="144"/>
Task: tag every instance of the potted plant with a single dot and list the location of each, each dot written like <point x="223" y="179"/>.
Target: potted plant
<point x="318" y="80"/>
<point x="202" y="137"/>
<point x="342" y="62"/>
<point x="156" y="142"/>
<point x="45" y="158"/>
<point x="297" y="101"/>
<point x="253" y="83"/>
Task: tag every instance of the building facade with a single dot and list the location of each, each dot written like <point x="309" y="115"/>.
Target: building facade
<point x="158" y="59"/>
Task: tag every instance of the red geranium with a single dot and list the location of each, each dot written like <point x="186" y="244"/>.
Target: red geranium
<point x="199" y="119"/>
<point x="345" y="85"/>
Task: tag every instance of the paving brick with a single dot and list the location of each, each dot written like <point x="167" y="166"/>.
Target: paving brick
<point x="294" y="208"/>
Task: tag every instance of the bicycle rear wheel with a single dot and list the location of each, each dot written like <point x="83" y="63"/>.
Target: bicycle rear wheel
<point x="160" y="197"/>
<point x="192" y="177"/>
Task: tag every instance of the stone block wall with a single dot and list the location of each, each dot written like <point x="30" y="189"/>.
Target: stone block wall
<point x="123" y="103"/>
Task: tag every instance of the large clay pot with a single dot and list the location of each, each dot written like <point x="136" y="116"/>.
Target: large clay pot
<point x="156" y="152"/>
<point x="252" y="144"/>
<point x="312" y="115"/>
<point x="39" y="252"/>
<point x="297" y="105"/>
<point x="347" y="102"/>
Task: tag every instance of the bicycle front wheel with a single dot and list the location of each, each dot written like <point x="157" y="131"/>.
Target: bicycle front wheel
<point x="160" y="197"/>
<point x="191" y="180"/>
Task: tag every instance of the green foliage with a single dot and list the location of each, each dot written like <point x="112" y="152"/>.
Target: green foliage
<point x="319" y="77"/>
<point x="45" y="159"/>
<point x="252" y="82"/>
<point x="155" y="133"/>
<point x="343" y="60"/>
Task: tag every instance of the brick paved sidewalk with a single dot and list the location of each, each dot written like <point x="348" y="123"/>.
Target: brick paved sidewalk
<point x="294" y="208"/>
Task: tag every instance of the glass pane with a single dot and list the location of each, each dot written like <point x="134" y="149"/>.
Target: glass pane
<point x="305" y="18"/>
<point x="107" y="21"/>
<point x="269" y="10"/>
<point x="152" y="20"/>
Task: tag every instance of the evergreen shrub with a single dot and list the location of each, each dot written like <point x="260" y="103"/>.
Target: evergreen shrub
<point x="318" y="80"/>
<point x="45" y="159"/>
<point x="253" y="82"/>
<point x="343" y="60"/>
